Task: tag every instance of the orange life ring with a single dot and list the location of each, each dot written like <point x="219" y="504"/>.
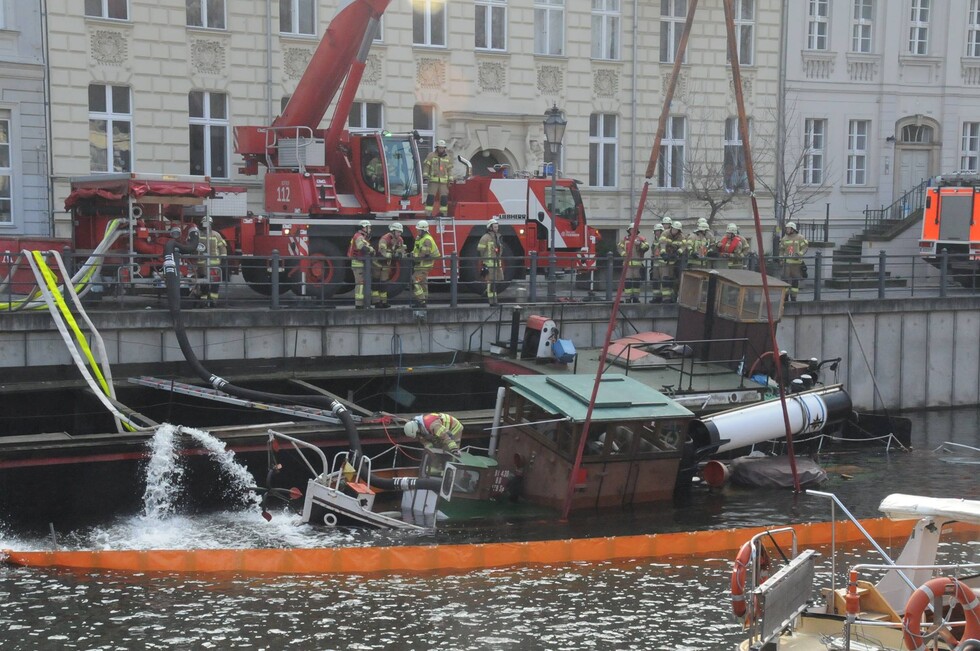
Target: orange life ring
<point x="925" y="595"/>
<point x="740" y="573"/>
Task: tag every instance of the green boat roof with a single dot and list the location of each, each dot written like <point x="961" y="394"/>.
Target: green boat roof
<point x="619" y="398"/>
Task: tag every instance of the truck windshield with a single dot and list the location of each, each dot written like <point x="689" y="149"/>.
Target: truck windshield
<point x="565" y="202"/>
<point x="403" y="176"/>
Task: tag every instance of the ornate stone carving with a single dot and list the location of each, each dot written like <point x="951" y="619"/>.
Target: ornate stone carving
<point x="294" y="61"/>
<point x="605" y="83"/>
<point x="208" y="57"/>
<point x="681" y="89"/>
<point x="430" y="73"/>
<point x="492" y="76"/>
<point x="109" y="48"/>
<point x="372" y="70"/>
<point x="748" y="84"/>
<point x="550" y="80"/>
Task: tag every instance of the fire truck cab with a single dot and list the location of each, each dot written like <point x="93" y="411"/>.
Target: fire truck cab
<point x="949" y="220"/>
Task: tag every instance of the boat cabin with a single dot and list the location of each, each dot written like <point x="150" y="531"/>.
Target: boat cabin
<point x="723" y="311"/>
<point x="632" y="448"/>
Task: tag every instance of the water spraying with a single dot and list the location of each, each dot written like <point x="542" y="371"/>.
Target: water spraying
<point x="242" y="480"/>
<point x="163" y="473"/>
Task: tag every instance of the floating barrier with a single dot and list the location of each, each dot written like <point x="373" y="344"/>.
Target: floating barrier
<point x="441" y="558"/>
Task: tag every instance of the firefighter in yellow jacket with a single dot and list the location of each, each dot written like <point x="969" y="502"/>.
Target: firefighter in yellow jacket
<point x="441" y="435"/>
<point x="634" y="274"/>
<point x="436" y="169"/>
<point x="358" y="251"/>
<point x="209" y="266"/>
<point x="391" y="247"/>
<point x="792" y="248"/>
<point x="491" y="266"/>
<point x="424" y="255"/>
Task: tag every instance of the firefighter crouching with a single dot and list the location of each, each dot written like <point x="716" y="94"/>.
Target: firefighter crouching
<point x="674" y="246"/>
<point x="214" y="250"/>
<point x="657" y="264"/>
<point x="792" y="248"/>
<point x="634" y="271"/>
<point x="391" y="247"/>
<point x="733" y="248"/>
<point x="439" y="433"/>
<point x="436" y="168"/>
<point x="424" y="255"/>
<point x="491" y="269"/>
<point x="358" y="251"/>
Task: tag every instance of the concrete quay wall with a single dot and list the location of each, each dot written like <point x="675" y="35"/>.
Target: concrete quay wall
<point x="897" y="354"/>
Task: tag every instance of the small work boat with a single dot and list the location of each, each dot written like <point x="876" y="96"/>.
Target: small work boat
<point x="917" y="603"/>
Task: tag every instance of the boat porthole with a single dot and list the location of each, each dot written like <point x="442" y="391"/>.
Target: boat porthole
<point x="733" y="398"/>
<point x="330" y="519"/>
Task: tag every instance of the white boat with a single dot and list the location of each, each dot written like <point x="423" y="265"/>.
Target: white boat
<point x="892" y="613"/>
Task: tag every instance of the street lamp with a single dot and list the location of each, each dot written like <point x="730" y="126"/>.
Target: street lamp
<point x="554" y="131"/>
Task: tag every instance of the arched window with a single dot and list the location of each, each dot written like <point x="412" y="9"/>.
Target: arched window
<point x="917" y="134"/>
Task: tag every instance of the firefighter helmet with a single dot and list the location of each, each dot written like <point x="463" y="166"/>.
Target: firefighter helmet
<point x="702" y="222"/>
<point x="364" y="223"/>
<point x="441" y="143"/>
<point x="422" y="225"/>
<point x="412" y="428"/>
<point x="396" y="227"/>
<point x="791" y="225"/>
<point x="677" y="225"/>
<point x="493" y="222"/>
<point x="658" y="226"/>
<point x="666" y="221"/>
<point x="733" y="229"/>
<point x="206" y="221"/>
<point x="629" y="229"/>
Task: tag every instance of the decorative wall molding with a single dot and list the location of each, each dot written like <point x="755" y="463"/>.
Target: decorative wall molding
<point x="970" y="71"/>
<point x="605" y="83"/>
<point x="818" y="65"/>
<point x="430" y="73"/>
<point x="491" y="76"/>
<point x="373" y="69"/>
<point x="109" y="48"/>
<point x="550" y="80"/>
<point x="294" y="61"/>
<point x="208" y="57"/>
<point x="863" y="67"/>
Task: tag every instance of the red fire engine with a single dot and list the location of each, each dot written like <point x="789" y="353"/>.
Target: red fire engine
<point x="951" y="220"/>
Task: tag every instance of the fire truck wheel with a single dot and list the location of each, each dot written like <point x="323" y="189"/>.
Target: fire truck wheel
<point x="470" y="266"/>
<point x="259" y="279"/>
<point x="401" y="277"/>
<point x="325" y="271"/>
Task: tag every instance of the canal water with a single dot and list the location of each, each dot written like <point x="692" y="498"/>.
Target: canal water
<point x="675" y="603"/>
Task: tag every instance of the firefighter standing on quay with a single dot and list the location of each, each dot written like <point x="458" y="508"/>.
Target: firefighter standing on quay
<point x="733" y="248"/>
<point x="491" y="269"/>
<point x="215" y="249"/>
<point x="391" y="247"/>
<point x="792" y="248"/>
<point x="674" y="246"/>
<point x="424" y="255"/>
<point x="360" y="248"/>
<point x="657" y="264"/>
<point x="634" y="272"/>
<point x="700" y="244"/>
<point x="436" y="168"/>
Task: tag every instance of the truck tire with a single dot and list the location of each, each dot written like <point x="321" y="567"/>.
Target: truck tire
<point x="259" y="279"/>
<point x="470" y="266"/>
<point x="324" y="272"/>
<point x="401" y="277"/>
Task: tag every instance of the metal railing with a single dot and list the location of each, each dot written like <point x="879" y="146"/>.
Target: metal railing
<point x="901" y="208"/>
<point x="127" y="280"/>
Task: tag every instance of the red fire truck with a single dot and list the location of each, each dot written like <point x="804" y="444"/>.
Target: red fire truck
<point x="951" y="221"/>
<point x="317" y="188"/>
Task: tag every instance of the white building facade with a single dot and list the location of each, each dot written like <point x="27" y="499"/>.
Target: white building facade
<point x="881" y="95"/>
<point x="24" y="195"/>
<point x="156" y="87"/>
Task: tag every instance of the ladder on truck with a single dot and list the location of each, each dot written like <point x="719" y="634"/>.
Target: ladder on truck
<point x="446" y="227"/>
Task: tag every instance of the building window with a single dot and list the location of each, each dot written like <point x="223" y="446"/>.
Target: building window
<point x="605" y="29"/>
<point x="814" y="141"/>
<point x="973" y="30"/>
<point x="603" y="150"/>
<point x="297" y="17"/>
<point x="6" y="170"/>
<point x="209" y="133"/>
<point x="673" y="14"/>
<point x="919" y="27"/>
<point x="206" y="13"/>
<point x="491" y="25"/>
<point x="107" y="9"/>
<point x="971" y="147"/>
<point x="817" y="24"/>
<point x="110" y="125"/>
<point x="857" y="151"/>
<point x="424" y="121"/>
<point x="745" y="31"/>
<point x="429" y="22"/>
<point x="670" y="167"/>
<point x="862" y="26"/>
<point x="549" y="27"/>
<point x="734" y="162"/>
<point x="366" y="116"/>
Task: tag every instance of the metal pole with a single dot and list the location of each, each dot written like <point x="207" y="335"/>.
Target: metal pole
<point x="453" y="280"/>
<point x="817" y="274"/>
<point x="532" y="290"/>
<point x="552" y="280"/>
<point x="274" y="280"/>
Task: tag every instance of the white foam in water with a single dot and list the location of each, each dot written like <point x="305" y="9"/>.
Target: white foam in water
<point x="163" y="473"/>
<point x="242" y="480"/>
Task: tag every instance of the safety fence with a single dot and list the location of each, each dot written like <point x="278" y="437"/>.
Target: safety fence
<point x="327" y="282"/>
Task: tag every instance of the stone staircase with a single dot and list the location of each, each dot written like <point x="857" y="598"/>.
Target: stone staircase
<point x="851" y="268"/>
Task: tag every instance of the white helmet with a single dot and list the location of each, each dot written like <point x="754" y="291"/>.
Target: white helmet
<point x="412" y="428"/>
<point x="441" y="143"/>
<point x="422" y="225"/>
<point x="493" y="222"/>
<point x="364" y="223"/>
<point x="702" y="222"/>
<point x="791" y="225"/>
<point x="677" y="225"/>
<point x="733" y="229"/>
<point x="206" y="220"/>
<point x="396" y="227"/>
<point x="658" y="226"/>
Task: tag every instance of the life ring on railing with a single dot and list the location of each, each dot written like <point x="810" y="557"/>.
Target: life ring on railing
<point x="740" y="573"/>
<point x="926" y="595"/>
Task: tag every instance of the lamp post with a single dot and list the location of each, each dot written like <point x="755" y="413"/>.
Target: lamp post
<point x="554" y="131"/>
